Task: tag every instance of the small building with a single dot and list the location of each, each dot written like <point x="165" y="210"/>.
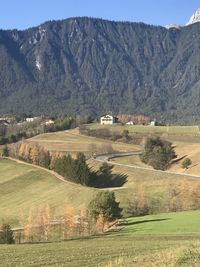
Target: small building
<point x="32" y="119"/>
<point x="130" y="123"/>
<point x="153" y="123"/>
<point x="49" y="122"/>
<point x="107" y="119"/>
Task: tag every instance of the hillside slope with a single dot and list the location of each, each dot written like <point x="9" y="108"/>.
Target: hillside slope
<point x="92" y="66"/>
<point x="24" y="188"/>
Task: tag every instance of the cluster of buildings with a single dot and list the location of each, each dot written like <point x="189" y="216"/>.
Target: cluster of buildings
<point x="6" y="121"/>
<point x="108" y="119"/>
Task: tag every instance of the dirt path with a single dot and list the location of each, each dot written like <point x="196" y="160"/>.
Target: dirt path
<point x="58" y="176"/>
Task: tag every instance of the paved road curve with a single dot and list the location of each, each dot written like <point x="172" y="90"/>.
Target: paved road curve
<point x="107" y="158"/>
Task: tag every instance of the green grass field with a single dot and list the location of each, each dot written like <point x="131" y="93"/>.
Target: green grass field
<point x="182" y="223"/>
<point x="163" y="240"/>
<point x="23" y="187"/>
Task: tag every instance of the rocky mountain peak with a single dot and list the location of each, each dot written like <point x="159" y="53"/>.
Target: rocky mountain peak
<point x="195" y="17"/>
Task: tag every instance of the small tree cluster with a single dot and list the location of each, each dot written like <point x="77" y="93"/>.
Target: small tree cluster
<point x="31" y="153"/>
<point x="158" y="153"/>
<point x="44" y="224"/>
<point x="75" y="170"/>
<point x="136" y="119"/>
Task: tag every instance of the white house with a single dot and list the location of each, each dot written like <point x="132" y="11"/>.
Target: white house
<point x="130" y="123"/>
<point x="32" y="119"/>
<point x="107" y="119"/>
<point x="153" y="123"/>
<point x="49" y="122"/>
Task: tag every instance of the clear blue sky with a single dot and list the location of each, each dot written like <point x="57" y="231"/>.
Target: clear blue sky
<point x="22" y="14"/>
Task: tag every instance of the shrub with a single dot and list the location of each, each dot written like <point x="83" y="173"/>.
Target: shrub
<point x="186" y="163"/>
<point x="6" y="234"/>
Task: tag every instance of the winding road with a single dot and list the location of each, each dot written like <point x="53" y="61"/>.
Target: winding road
<point x="107" y="158"/>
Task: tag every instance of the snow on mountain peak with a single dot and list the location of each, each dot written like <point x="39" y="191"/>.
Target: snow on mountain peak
<point x="195" y="17"/>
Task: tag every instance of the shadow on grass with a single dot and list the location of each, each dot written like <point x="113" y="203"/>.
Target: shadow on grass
<point x="143" y="221"/>
<point x="178" y="159"/>
<point x="113" y="180"/>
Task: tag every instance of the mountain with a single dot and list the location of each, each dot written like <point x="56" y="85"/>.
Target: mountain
<point x="93" y="66"/>
<point x="195" y="17"/>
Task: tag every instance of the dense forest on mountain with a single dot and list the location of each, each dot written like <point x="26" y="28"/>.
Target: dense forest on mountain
<point x="92" y="66"/>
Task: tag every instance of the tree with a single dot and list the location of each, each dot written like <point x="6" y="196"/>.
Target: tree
<point x="5" y="152"/>
<point x="158" y="153"/>
<point x="106" y="169"/>
<point x="186" y="163"/>
<point x="105" y="206"/>
<point x="6" y="234"/>
<point x="82" y="172"/>
<point x="125" y="134"/>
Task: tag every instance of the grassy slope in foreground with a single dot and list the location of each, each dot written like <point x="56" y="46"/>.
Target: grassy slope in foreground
<point x="125" y="248"/>
<point x="23" y="187"/>
<point x="166" y="223"/>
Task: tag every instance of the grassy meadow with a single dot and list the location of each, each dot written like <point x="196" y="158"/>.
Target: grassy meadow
<point x="148" y="129"/>
<point x="161" y="240"/>
<point x="24" y="187"/>
<point x="71" y="141"/>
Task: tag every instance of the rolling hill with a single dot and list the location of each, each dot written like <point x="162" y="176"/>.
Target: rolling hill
<point x="25" y="187"/>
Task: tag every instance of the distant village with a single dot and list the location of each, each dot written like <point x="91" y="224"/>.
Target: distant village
<point x="106" y="119"/>
<point x="10" y="120"/>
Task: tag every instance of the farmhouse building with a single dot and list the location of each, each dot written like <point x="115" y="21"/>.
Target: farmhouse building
<point x="107" y="119"/>
<point x="153" y="123"/>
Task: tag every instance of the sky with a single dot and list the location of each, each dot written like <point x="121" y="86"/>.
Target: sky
<point x="23" y="14"/>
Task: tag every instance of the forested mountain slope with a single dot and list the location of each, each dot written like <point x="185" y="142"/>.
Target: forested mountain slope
<point x="92" y="66"/>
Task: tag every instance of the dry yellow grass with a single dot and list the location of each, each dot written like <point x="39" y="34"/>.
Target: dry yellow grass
<point x="189" y="150"/>
<point x="71" y="141"/>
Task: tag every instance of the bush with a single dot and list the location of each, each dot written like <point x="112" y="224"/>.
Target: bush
<point x="5" y="152"/>
<point x="6" y="234"/>
<point x="186" y="163"/>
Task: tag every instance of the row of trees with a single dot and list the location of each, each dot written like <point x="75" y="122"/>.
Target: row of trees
<point x="136" y="119"/>
<point x="72" y="169"/>
<point x="180" y="197"/>
<point x="106" y="133"/>
<point x="76" y="170"/>
<point x="44" y="224"/>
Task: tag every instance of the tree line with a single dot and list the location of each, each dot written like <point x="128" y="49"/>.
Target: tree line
<point x="44" y="225"/>
<point x="17" y="131"/>
<point x="72" y="169"/>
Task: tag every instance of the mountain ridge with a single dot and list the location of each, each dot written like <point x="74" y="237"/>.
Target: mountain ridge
<point x="90" y="66"/>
